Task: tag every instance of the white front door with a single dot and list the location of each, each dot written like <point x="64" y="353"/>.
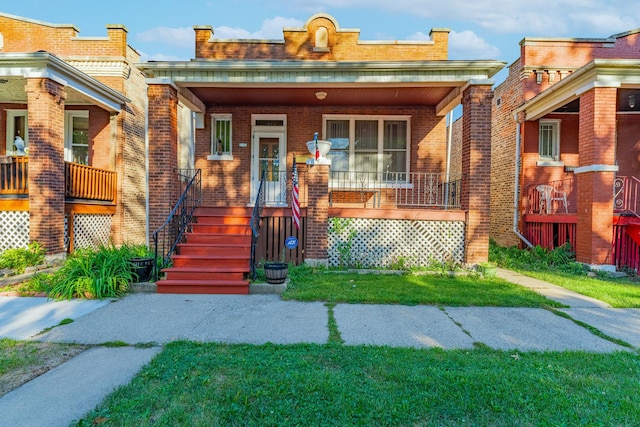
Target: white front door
<point x="270" y="158"/>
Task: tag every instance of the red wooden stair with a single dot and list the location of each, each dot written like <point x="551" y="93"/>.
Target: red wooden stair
<point x="215" y="256"/>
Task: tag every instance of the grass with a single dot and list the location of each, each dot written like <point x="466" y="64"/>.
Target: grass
<point x="559" y="267"/>
<point x="192" y="384"/>
<point x="307" y="284"/>
<point x="21" y="361"/>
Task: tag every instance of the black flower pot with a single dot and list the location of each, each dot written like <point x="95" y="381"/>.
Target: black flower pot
<point x="142" y="268"/>
<point x="276" y="272"/>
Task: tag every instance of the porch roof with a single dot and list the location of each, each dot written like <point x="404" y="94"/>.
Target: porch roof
<point x="618" y="73"/>
<point x="81" y="88"/>
<point x="434" y="83"/>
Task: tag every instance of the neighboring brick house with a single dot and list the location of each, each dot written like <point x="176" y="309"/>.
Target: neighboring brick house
<point x="382" y="104"/>
<point x="72" y="126"/>
<point x="568" y="112"/>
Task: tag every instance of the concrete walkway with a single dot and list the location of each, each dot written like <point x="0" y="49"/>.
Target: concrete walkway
<point x="77" y="386"/>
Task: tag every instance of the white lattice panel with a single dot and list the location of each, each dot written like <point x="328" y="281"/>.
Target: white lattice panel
<point x="14" y="229"/>
<point x="91" y="231"/>
<point x="386" y="242"/>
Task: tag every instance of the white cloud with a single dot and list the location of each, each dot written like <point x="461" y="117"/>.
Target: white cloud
<point x="177" y="37"/>
<point x="271" y="29"/>
<point x="159" y="57"/>
<point x="465" y="45"/>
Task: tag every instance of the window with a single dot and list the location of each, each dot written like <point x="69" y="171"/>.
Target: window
<point x="17" y="129"/>
<point x="76" y="144"/>
<point x="368" y="143"/>
<point x="549" y="140"/>
<point x="221" y="137"/>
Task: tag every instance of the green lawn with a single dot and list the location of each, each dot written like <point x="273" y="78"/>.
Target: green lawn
<point x="619" y="293"/>
<point x="191" y="384"/>
<point x="308" y="284"/>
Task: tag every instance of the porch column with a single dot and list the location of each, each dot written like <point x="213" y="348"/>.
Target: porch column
<point x="476" y="169"/>
<point x="163" y="152"/>
<point x="317" y="215"/>
<point x="45" y="106"/>
<point x="595" y="177"/>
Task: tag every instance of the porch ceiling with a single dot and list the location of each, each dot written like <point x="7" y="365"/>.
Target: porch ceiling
<point x="383" y="96"/>
<point x="12" y="91"/>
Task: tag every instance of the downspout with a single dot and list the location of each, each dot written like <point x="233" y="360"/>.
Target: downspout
<point x="446" y="182"/>
<point x="516" y="192"/>
<point x="146" y="166"/>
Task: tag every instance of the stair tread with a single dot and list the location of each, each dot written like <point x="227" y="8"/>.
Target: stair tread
<point x="201" y="282"/>
<point x="210" y="256"/>
<point x="232" y="244"/>
<point x="206" y="269"/>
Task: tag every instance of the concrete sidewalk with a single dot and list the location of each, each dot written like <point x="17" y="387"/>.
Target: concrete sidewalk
<point x="257" y="319"/>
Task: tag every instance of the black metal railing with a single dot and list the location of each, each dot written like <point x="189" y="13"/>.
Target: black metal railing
<point x="167" y="237"/>
<point x="256" y="216"/>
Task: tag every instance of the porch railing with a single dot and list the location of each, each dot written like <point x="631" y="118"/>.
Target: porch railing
<point x="86" y="182"/>
<point x="167" y="237"/>
<point x="13" y="175"/>
<point x="626" y="195"/>
<point x="81" y="181"/>
<point x="553" y="197"/>
<point x="277" y="187"/>
<point x="256" y="217"/>
<point x="393" y="190"/>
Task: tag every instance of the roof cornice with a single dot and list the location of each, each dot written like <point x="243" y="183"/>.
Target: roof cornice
<point x="597" y="73"/>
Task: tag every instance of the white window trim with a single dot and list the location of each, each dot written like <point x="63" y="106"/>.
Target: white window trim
<point x="554" y="159"/>
<point x="11" y="115"/>
<point x="68" y="131"/>
<point x="352" y="130"/>
<point x="214" y="154"/>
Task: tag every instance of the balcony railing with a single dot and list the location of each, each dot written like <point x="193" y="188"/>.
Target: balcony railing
<point x="555" y="197"/>
<point x="81" y="181"/>
<point x="393" y="190"/>
<point x="626" y="196"/>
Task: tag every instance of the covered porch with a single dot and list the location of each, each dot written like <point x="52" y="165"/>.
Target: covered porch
<point x="585" y="192"/>
<point x="58" y="184"/>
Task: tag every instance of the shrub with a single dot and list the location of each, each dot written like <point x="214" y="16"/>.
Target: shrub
<point x="104" y="273"/>
<point x="19" y="259"/>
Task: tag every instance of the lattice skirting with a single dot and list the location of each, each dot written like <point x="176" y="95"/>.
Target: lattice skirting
<point x="14" y="229"/>
<point x="368" y="243"/>
<point x="91" y="231"/>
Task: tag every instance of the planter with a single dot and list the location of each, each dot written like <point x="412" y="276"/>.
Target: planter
<point x="142" y="268"/>
<point x="276" y="272"/>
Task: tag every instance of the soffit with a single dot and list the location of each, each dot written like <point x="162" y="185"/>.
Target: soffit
<point x="81" y="88"/>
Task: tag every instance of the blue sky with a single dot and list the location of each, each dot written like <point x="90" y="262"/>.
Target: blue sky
<point x="480" y="29"/>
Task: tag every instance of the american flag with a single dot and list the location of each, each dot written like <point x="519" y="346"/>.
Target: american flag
<point x="295" y="197"/>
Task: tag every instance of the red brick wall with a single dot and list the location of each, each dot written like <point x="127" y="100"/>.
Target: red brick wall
<point x="595" y="189"/>
<point x="227" y="182"/>
<point x="342" y="45"/>
<point x="503" y="149"/>
<point x="317" y="213"/>
<point x="46" y="163"/>
<point x="476" y="170"/>
<point x="628" y="157"/>
<point x="163" y="152"/>
<point x="24" y="35"/>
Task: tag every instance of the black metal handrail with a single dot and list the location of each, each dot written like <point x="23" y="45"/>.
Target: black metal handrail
<point x="170" y="233"/>
<point x="256" y="216"/>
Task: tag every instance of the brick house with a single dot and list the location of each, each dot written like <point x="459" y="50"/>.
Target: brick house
<point x="72" y="132"/>
<point x="250" y="106"/>
<point x="565" y="148"/>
